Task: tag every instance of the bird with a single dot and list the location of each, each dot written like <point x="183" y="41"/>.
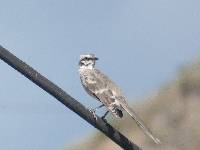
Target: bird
<point x="102" y="88"/>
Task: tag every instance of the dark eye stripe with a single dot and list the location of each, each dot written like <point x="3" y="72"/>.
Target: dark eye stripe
<point x="86" y="58"/>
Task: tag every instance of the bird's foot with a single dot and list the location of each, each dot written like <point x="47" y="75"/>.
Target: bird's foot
<point x="104" y="119"/>
<point x="104" y="116"/>
<point x="93" y="111"/>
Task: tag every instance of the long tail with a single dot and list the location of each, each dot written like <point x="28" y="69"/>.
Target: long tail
<point x="140" y="123"/>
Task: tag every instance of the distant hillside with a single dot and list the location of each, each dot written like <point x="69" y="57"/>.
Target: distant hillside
<point x="173" y="113"/>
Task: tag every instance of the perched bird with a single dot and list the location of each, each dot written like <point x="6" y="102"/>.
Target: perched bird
<point x="99" y="86"/>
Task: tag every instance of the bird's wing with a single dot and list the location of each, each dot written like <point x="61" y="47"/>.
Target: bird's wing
<point x="107" y="82"/>
<point x="139" y="122"/>
<point x="108" y="99"/>
<point x="99" y="86"/>
<point x="109" y="93"/>
<point x="97" y="82"/>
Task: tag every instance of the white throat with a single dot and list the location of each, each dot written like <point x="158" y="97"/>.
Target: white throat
<point x="86" y="67"/>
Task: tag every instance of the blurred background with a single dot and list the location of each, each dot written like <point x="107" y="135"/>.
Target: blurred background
<point x="150" y="49"/>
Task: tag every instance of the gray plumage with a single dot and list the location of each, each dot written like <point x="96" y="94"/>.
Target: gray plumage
<point x="99" y="86"/>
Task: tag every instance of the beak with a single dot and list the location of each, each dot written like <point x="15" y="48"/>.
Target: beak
<point x="96" y="58"/>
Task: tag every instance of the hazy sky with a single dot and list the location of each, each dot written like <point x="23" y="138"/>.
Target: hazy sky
<point x="141" y="44"/>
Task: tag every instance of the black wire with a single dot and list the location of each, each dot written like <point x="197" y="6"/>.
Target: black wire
<point x="66" y="99"/>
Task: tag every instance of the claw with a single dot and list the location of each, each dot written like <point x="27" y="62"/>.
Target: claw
<point x="104" y="119"/>
<point x="104" y="116"/>
<point x="93" y="112"/>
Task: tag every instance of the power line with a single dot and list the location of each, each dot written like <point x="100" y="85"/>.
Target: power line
<point x="66" y="99"/>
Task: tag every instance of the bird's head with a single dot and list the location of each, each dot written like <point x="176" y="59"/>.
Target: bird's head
<point x="87" y="61"/>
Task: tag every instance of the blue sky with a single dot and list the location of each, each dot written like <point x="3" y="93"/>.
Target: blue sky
<point x="141" y="44"/>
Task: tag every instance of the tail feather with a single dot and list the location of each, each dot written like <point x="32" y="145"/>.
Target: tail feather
<point x="140" y="123"/>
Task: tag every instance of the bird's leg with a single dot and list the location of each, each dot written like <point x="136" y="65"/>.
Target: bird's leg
<point x="93" y="110"/>
<point x="103" y="117"/>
